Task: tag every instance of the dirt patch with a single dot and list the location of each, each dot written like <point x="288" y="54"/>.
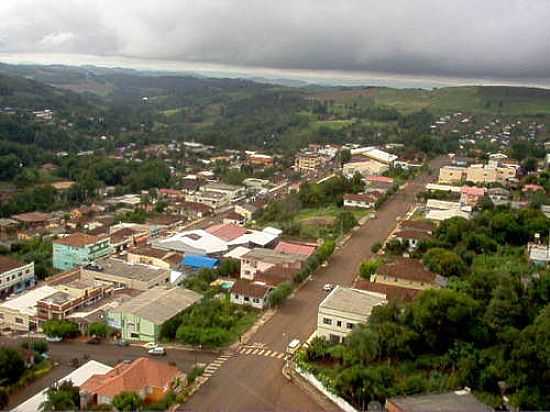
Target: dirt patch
<point x="319" y="221"/>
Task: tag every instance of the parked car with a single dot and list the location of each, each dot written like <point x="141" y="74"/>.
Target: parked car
<point x="293" y="346"/>
<point x="94" y="340"/>
<point x="157" y="351"/>
<point x="328" y="287"/>
<point x="53" y="339"/>
<point x="150" y="345"/>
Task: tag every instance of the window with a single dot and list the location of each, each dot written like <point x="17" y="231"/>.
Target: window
<point x="256" y="300"/>
<point x="19" y="321"/>
<point x="236" y="296"/>
<point x="350" y="325"/>
<point x="134" y="335"/>
<point x="327" y="321"/>
<point x="339" y="323"/>
<point x="1" y="316"/>
<point x="246" y="299"/>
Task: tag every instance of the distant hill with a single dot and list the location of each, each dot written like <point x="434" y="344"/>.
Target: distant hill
<point x="482" y="99"/>
<point x="26" y="94"/>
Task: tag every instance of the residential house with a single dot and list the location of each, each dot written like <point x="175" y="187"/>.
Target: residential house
<point x="538" y="253"/>
<point x="141" y="317"/>
<point x="379" y="182"/>
<point x="195" y="242"/>
<point x="359" y="200"/>
<point x="192" y="210"/>
<point x="409" y="274"/>
<point x="261" y="259"/>
<point x="234" y="218"/>
<point x="246" y="292"/>
<point x="77" y="377"/>
<point x="296" y="248"/>
<point x="148" y="378"/>
<point x="79" y="249"/>
<point x="461" y="400"/>
<point x="375" y="154"/>
<point x="260" y="160"/>
<point x="343" y="310"/>
<point x="498" y="195"/>
<point x="471" y="196"/>
<point x="246" y="210"/>
<point x="154" y="257"/>
<point x="392" y="293"/>
<point x="122" y="274"/>
<point x="412" y="238"/>
<point x="230" y="192"/>
<point x="15" y="276"/>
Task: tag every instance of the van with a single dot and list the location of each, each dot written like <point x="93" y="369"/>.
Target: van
<point x="293" y="346"/>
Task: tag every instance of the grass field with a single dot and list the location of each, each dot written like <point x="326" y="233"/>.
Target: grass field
<point x="333" y="124"/>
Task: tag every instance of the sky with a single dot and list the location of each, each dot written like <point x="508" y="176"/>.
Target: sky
<point x="494" y="39"/>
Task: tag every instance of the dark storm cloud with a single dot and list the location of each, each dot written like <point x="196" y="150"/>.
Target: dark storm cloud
<point x="509" y="38"/>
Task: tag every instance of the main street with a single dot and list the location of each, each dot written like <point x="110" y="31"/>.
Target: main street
<point x="249" y="382"/>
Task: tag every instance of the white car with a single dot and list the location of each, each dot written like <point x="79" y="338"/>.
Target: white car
<point x="328" y="287"/>
<point x="54" y="339"/>
<point x="157" y="351"/>
<point x="150" y="345"/>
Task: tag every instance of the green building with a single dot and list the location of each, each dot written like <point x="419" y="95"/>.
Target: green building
<point x="141" y="317"/>
<point x="79" y="249"/>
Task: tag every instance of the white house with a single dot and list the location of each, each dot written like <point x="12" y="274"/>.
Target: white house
<point x="359" y="200"/>
<point x="245" y="292"/>
<point x="343" y="309"/>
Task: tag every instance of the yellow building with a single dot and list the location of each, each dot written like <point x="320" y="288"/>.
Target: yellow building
<point x="307" y="162"/>
<point x="451" y="174"/>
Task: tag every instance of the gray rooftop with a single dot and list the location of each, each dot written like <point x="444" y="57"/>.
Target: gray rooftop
<point x="220" y="186"/>
<point x="350" y="300"/>
<point x="459" y="401"/>
<point x="272" y="256"/>
<point x="116" y="267"/>
<point x="157" y="305"/>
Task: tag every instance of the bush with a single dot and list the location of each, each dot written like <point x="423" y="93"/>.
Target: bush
<point x="376" y="247"/>
<point x="194" y="374"/>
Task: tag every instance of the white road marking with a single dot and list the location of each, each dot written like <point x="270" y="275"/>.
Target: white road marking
<point x="268" y="353"/>
<point x="280" y="355"/>
<point x="261" y="352"/>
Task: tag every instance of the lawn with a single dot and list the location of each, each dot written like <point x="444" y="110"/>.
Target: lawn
<point x="328" y="213"/>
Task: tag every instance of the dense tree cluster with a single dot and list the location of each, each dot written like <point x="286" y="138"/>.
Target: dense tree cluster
<point x="488" y="330"/>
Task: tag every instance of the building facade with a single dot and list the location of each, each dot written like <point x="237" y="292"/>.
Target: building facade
<point x="79" y="249"/>
<point x="15" y="276"/>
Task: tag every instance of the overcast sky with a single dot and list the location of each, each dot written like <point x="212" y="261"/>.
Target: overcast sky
<point x="477" y="38"/>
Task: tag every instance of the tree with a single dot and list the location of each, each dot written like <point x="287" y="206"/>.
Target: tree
<point x="128" y="402"/>
<point x="440" y="316"/>
<point x="369" y="268"/>
<point x="530" y="164"/>
<point x="62" y="397"/>
<point x="60" y="328"/>
<point x="505" y="308"/>
<point x="12" y="366"/>
<point x="279" y="294"/>
<point x="100" y="329"/>
<point x="444" y="262"/>
<point x="345" y="221"/>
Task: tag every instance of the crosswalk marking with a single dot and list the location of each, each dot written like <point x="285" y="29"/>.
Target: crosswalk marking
<point x="255" y="351"/>
<point x="267" y="353"/>
<point x="274" y="354"/>
<point x="248" y="351"/>
<point x="261" y="352"/>
<point x="280" y="355"/>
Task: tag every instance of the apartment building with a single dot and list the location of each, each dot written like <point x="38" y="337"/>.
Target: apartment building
<point x="79" y="249"/>
<point x="261" y="259"/>
<point x="307" y="162"/>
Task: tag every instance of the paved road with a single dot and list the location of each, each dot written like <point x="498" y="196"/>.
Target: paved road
<point x="64" y="353"/>
<point x="251" y="382"/>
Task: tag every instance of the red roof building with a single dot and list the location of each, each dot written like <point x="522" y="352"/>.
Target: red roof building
<point x="227" y="231"/>
<point x="150" y="379"/>
<point x="305" y="249"/>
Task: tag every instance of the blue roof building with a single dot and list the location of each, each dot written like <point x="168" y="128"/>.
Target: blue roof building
<point x="199" y="262"/>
